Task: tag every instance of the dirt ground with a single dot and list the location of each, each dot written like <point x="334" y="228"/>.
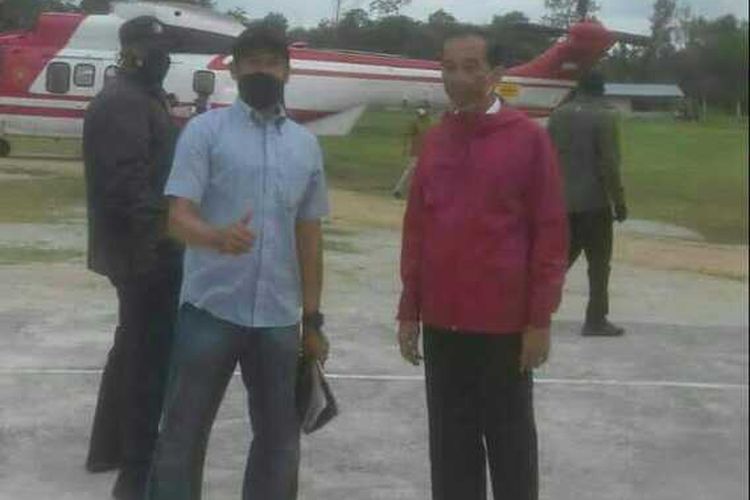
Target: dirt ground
<point x="652" y="251"/>
<point x="352" y="209"/>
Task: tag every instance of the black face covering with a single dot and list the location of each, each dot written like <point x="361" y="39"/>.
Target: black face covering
<point x="261" y="91"/>
<point x="155" y="66"/>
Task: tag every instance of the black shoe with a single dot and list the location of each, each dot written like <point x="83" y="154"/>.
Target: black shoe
<point x="131" y="483"/>
<point x="603" y="329"/>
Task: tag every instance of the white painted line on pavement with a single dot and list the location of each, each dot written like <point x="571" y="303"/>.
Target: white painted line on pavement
<point x="675" y="384"/>
<point x="563" y="381"/>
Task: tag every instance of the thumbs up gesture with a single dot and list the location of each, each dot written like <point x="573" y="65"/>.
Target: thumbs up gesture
<point x="236" y="239"/>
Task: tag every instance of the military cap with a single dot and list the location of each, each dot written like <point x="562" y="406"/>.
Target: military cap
<point x="142" y="30"/>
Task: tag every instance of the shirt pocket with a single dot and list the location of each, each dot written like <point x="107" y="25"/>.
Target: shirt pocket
<point x="290" y="185"/>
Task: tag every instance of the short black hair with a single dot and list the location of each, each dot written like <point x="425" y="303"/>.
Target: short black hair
<point x="592" y="83"/>
<point x="260" y="38"/>
<point x="497" y="54"/>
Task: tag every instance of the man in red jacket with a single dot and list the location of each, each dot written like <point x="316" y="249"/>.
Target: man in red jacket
<point x="483" y="262"/>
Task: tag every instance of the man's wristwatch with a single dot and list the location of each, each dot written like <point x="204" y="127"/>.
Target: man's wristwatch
<point x="314" y="320"/>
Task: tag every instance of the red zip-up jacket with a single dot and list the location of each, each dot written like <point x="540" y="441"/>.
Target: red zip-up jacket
<point x="485" y="232"/>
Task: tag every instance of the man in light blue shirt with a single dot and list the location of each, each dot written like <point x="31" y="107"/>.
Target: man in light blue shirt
<point x="248" y="194"/>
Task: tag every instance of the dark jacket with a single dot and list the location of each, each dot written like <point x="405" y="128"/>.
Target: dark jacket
<point x="128" y="144"/>
<point x="587" y="136"/>
<point x="485" y="232"/>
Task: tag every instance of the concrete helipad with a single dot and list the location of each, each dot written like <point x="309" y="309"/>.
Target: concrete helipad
<point x="659" y="414"/>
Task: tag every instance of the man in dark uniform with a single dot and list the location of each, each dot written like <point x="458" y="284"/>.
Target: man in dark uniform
<point x="586" y="133"/>
<point x="128" y="145"/>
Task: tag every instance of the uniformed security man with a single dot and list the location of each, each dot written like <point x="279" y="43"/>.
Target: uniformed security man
<point x="586" y="133"/>
<point x="128" y="146"/>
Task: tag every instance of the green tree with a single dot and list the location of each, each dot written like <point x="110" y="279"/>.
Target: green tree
<point x="353" y="30"/>
<point x="623" y="63"/>
<point x="683" y="20"/>
<point x="276" y="21"/>
<point x="388" y="7"/>
<point x="563" y="13"/>
<point x="663" y="28"/>
<point x="519" y="44"/>
<point x="427" y="39"/>
<point x="323" y="36"/>
<point x="239" y="14"/>
<point x="713" y="67"/>
<point x="658" y="58"/>
<point x="441" y="18"/>
<point x="394" y="34"/>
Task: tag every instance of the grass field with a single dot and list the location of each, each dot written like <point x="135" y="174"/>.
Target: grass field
<point x="29" y="254"/>
<point x="40" y="199"/>
<point x="45" y="146"/>
<point x="372" y="157"/>
<point x="692" y="175"/>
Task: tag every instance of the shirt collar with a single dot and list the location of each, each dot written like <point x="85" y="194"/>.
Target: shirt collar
<point x="496" y="106"/>
<point x="277" y="118"/>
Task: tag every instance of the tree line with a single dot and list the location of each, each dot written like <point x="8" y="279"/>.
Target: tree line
<point x="708" y="58"/>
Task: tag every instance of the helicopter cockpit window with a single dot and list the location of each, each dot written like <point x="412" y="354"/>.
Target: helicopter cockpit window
<point x="58" y="78"/>
<point x="84" y="75"/>
<point x="204" y="82"/>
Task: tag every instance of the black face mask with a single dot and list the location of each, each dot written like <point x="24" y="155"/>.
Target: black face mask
<point x="154" y="67"/>
<point x="261" y="91"/>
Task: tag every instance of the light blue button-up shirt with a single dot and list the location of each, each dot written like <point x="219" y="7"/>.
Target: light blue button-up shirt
<point x="229" y="162"/>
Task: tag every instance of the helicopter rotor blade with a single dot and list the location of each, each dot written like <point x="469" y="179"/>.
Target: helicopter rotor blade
<point x="544" y="30"/>
<point x="632" y="38"/>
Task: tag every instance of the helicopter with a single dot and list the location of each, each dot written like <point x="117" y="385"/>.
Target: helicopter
<point x="50" y="72"/>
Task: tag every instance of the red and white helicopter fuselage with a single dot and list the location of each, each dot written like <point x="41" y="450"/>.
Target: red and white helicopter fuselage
<point x="49" y="74"/>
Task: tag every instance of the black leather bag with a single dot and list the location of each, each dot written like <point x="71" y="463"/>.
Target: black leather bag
<point x="316" y="405"/>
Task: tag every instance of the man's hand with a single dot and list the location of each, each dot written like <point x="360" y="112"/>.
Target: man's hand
<point x="535" y="348"/>
<point x="237" y="238"/>
<point x="315" y="345"/>
<point x="408" y="341"/>
<point x="621" y="212"/>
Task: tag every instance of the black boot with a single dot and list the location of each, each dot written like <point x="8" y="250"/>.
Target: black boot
<point x="131" y="483"/>
<point x="602" y="329"/>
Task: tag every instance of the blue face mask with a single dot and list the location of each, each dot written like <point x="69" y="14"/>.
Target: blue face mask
<point x="260" y="91"/>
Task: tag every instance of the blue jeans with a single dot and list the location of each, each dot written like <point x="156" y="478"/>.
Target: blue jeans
<point x="206" y="352"/>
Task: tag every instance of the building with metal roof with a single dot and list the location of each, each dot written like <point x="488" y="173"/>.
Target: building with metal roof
<point x="645" y="99"/>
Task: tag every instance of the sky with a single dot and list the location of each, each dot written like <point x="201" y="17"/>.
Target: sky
<point x="626" y="15"/>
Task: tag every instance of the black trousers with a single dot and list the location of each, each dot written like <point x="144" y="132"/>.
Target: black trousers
<point x="591" y="232"/>
<point x="480" y="410"/>
<point x="132" y="386"/>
